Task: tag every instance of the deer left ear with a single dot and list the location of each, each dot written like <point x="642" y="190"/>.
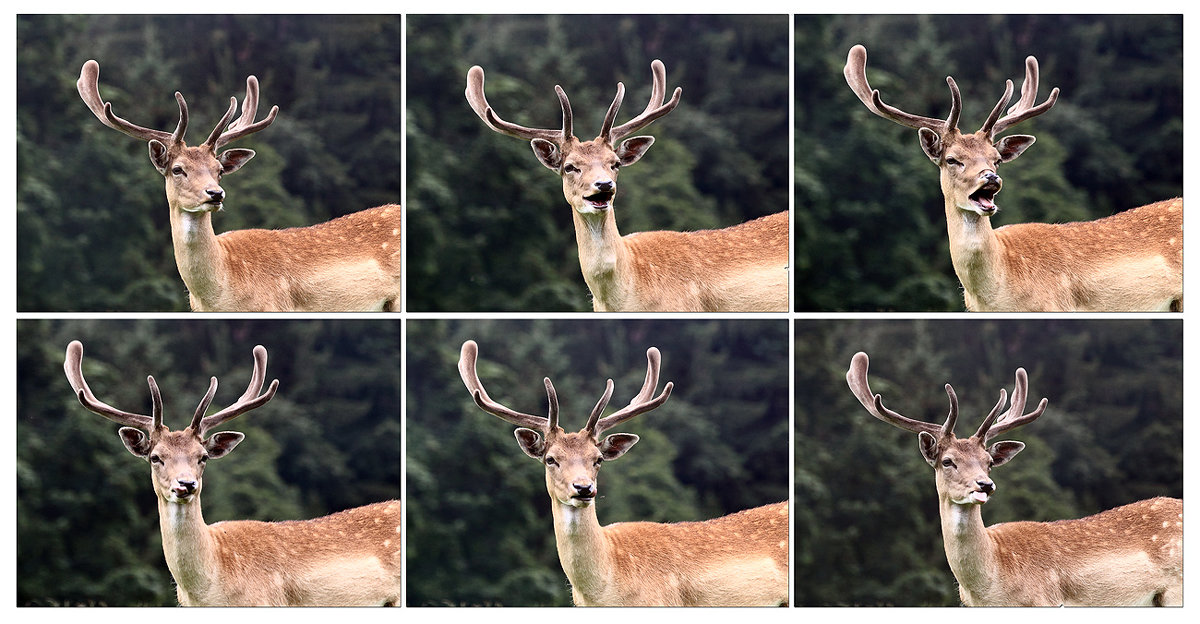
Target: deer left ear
<point x="1011" y="146"/>
<point x="931" y="144"/>
<point x="616" y="444"/>
<point x="220" y="443"/>
<point x="1001" y="452"/>
<point x="531" y="442"/>
<point x="631" y="150"/>
<point x="231" y="160"/>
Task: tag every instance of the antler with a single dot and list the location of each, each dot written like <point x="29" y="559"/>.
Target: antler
<point x="245" y="124"/>
<point x="466" y="370"/>
<point x="1024" y="108"/>
<point x="640" y="404"/>
<point x="654" y="109"/>
<point x="479" y="104"/>
<point x="89" y="89"/>
<point x="249" y="400"/>
<point x="856" y="76"/>
<point x="856" y="378"/>
<point x="1013" y="418"/>
<point x="73" y="367"/>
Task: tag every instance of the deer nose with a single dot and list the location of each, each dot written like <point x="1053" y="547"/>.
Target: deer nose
<point x="604" y="185"/>
<point x="215" y="195"/>
<point x="991" y="177"/>
<point x="584" y="490"/>
<point x="184" y="488"/>
<point x="986" y="486"/>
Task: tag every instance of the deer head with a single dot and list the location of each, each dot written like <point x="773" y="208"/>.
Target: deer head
<point x="588" y="168"/>
<point x="193" y="174"/>
<point x="968" y="162"/>
<point x="962" y="465"/>
<point x="572" y="460"/>
<point x="177" y="458"/>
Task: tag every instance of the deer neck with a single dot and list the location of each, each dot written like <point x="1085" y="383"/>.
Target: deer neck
<point x="188" y="547"/>
<point x="198" y="253"/>
<point x="969" y="549"/>
<point x="603" y="257"/>
<point x="975" y="252"/>
<point x="582" y="549"/>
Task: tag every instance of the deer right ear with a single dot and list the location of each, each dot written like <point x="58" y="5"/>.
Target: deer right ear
<point x="547" y="153"/>
<point x="616" y="445"/>
<point x="632" y="150"/>
<point x="233" y="159"/>
<point x="928" y="445"/>
<point x="219" y="444"/>
<point x="135" y="440"/>
<point x="931" y="144"/>
<point x="158" y="156"/>
<point x="531" y="442"/>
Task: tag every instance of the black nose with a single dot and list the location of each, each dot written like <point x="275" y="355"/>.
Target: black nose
<point x="987" y="487"/>
<point x="184" y="488"/>
<point x="604" y="185"/>
<point x="215" y="195"/>
<point x="991" y="178"/>
<point x="585" y="490"/>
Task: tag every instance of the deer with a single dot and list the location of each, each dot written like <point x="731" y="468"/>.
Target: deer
<point x="352" y="263"/>
<point x="349" y="558"/>
<point x="1129" y="261"/>
<point x="742" y="268"/>
<point x="736" y="560"/>
<point x="1128" y="555"/>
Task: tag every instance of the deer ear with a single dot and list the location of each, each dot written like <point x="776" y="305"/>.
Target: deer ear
<point x="931" y="144"/>
<point x="158" y="156"/>
<point x="531" y="442"/>
<point x="632" y="150"/>
<point x="219" y="444"/>
<point x="616" y="444"/>
<point x="1001" y="452"/>
<point x="547" y="153"/>
<point x="928" y="445"/>
<point x="135" y="440"/>
<point x="233" y="159"/>
<point x="1011" y="146"/>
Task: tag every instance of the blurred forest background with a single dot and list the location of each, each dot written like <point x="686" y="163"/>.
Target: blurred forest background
<point x="869" y="227"/>
<point x="92" y="218"/>
<point x="479" y="525"/>
<point x="87" y="525"/>
<point x="866" y="526"/>
<point x="488" y="227"/>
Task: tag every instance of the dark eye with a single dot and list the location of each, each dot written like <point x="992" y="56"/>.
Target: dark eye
<point x="203" y="458"/>
<point x="177" y="170"/>
<point x="947" y="462"/>
<point x="599" y="461"/>
<point x="155" y="459"/>
<point x="616" y="165"/>
<point x="570" y="168"/>
<point x="550" y="461"/>
<point x="953" y="161"/>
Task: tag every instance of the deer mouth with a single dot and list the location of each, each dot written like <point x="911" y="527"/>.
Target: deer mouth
<point x="600" y="200"/>
<point x="983" y="200"/>
<point x="208" y="206"/>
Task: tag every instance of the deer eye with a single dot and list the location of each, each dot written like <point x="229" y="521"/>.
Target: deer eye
<point x="203" y="458"/>
<point x="953" y="161"/>
<point x="570" y="168"/>
<point x="599" y="460"/>
<point x="177" y="170"/>
<point x="550" y="461"/>
<point x="947" y="462"/>
<point x="155" y="459"/>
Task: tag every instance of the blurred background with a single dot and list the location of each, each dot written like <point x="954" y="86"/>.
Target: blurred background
<point x="92" y="218"/>
<point x="488" y="227"/>
<point x="869" y="226"/>
<point x="866" y="526"/>
<point x="87" y="525"/>
<point x="480" y="530"/>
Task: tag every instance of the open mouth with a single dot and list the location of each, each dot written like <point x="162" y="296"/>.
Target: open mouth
<point x="601" y="200"/>
<point x="984" y="198"/>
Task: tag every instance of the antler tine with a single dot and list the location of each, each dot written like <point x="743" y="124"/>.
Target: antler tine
<point x="641" y="403"/>
<point x="654" y="109"/>
<point x="997" y="109"/>
<point x="611" y="115"/>
<point x="1024" y="108"/>
<point x="73" y="367"/>
<point x="856" y="378"/>
<point x="552" y="399"/>
<point x="856" y="76"/>
<point x="479" y="104"/>
<point x="1013" y="417"/>
<point x="222" y="124"/>
<point x="991" y="417"/>
<point x="89" y="90"/>
<point x="249" y="400"/>
<point x="600" y="405"/>
<point x="204" y="403"/>
<point x="245" y="125"/>
<point x="466" y="370"/>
